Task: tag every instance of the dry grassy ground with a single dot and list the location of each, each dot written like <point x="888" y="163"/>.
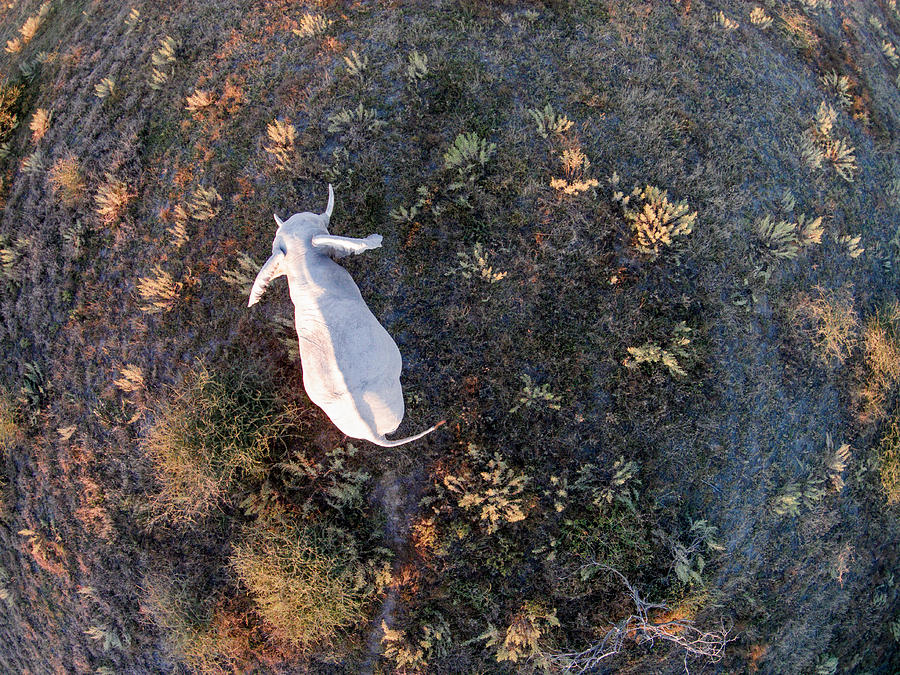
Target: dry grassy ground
<point x="712" y="414"/>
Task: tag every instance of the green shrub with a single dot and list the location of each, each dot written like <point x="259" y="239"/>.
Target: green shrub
<point x="307" y="581"/>
<point x="221" y="429"/>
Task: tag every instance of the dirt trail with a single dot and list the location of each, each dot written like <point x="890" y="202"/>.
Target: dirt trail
<point x="399" y="498"/>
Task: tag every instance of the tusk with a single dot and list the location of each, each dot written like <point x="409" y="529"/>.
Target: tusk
<point x="267" y="272"/>
<point x="278" y="220"/>
<point x="330" y="207"/>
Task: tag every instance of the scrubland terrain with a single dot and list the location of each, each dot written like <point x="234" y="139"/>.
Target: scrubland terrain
<point x="642" y="256"/>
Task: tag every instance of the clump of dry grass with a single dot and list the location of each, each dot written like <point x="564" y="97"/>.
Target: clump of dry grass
<point x="839" y="86"/>
<point x="29" y="29"/>
<point x="889" y="461"/>
<point x="159" y="292"/>
<point x="66" y="180"/>
<point x="9" y="430"/>
<point x="829" y="320"/>
<point x="130" y="380"/>
<point x="112" y="199"/>
<point x="243" y="276"/>
<point x="178" y="229"/>
<point x="34" y="163"/>
<point x="758" y="17"/>
<point x="205" y="203"/>
<point x="281" y="136"/>
<point x="818" y="144"/>
<point x="799" y="30"/>
<point x="775" y="241"/>
<point x="549" y="122"/>
<point x="10" y="97"/>
<point x="575" y="165"/>
<point x="105" y="88"/>
<point x="881" y="349"/>
<point x="40" y="124"/>
<point x="307" y="581"/>
<point x="218" y="430"/>
<point x="163" y="61"/>
<point x="198" y="101"/>
<point x="311" y="24"/>
<point x="726" y="22"/>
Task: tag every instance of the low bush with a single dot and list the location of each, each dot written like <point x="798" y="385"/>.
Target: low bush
<point x="307" y="581"/>
<point x="219" y="430"/>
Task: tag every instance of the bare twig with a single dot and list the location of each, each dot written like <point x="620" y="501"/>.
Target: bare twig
<point x="642" y="629"/>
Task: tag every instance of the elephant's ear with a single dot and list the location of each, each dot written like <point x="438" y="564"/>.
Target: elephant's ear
<point x="273" y="269"/>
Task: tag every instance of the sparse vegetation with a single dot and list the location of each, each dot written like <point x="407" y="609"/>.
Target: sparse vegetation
<point x="839" y="86"/>
<point x="575" y="165"/>
<point x="492" y="490"/>
<point x="881" y="352"/>
<point x="726" y="22"/>
<point x="105" y="88"/>
<point x="130" y="379"/>
<point x="9" y="431"/>
<point x="548" y="122"/>
<point x="199" y="100"/>
<point x="356" y="65"/>
<point x="475" y="266"/>
<point x="34" y="163"/>
<point x="724" y="503"/>
<point x="417" y="67"/>
<point x="312" y="24"/>
<point x="758" y="17"/>
<point x="40" y="123"/>
<point x="10" y="101"/>
<point x="467" y="157"/>
<point x="524" y="638"/>
<point x="415" y="653"/>
<point x="533" y="394"/>
<point x="781" y="240"/>
<point x="196" y="631"/>
<point x="163" y="61"/>
<point x="205" y="203"/>
<point x="354" y="125"/>
<point x="159" y="291"/>
<point x="676" y="348"/>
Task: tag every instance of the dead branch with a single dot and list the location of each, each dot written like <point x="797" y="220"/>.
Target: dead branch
<point x="640" y="628"/>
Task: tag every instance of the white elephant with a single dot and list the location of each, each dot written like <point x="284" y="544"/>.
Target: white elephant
<point x="351" y="366"/>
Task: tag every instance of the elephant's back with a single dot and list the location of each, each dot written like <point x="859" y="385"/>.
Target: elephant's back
<point x="351" y="366"/>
